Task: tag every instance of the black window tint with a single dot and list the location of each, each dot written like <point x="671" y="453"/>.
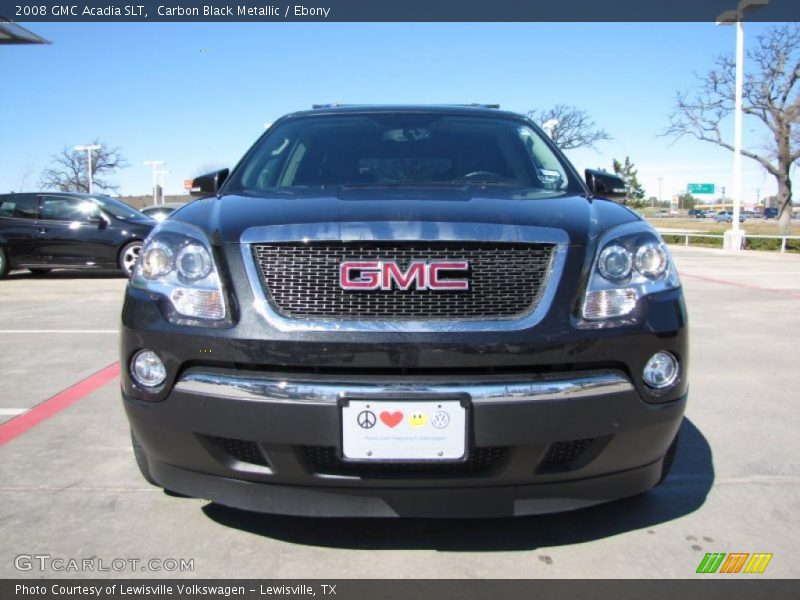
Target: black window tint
<point x="18" y="206"/>
<point x="400" y="149"/>
<point x="64" y="208"/>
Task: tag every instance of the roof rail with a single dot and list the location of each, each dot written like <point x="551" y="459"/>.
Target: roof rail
<point x="330" y="105"/>
<point x="482" y="105"/>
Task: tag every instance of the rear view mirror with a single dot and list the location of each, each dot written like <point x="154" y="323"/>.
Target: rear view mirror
<point x="606" y="185"/>
<point x="208" y="184"/>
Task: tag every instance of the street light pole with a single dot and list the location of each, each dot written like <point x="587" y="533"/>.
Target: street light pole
<point x="737" y="137"/>
<point x="734" y="238"/>
<point x="660" y="179"/>
<point x="88" y="150"/>
<point x="154" y="164"/>
<point x="162" y="172"/>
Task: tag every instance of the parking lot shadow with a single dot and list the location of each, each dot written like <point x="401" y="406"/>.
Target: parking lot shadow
<point x="683" y="492"/>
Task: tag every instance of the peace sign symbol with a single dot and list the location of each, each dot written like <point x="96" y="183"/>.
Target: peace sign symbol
<point x="366" y="419"/>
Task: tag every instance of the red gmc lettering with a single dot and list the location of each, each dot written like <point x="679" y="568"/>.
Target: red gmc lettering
<point x="448" y="284"/>
<point x="388" y="275"/>
<point x="393" y="273"/>
<point x="360" y="275"/>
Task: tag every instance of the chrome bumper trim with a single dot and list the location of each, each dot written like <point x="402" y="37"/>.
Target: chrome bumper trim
<point x="315" y="389"/>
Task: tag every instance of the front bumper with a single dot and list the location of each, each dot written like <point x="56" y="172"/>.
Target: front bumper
<point x="537" y="443"/>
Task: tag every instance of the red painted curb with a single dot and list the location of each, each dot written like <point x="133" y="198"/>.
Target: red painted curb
<point x="44" y="410"/>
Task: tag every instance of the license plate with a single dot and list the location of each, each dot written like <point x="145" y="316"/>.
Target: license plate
<point x="404" y="430"/>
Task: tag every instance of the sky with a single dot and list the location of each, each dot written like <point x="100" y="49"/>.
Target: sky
<point x="197" y="95"/>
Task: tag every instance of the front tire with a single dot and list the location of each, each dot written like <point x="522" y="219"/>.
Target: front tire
<point x="128" y="257"/>
<point x="3" y="264"/>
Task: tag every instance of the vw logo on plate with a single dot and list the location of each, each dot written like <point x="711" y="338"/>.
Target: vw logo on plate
<point x="440" y="420"/>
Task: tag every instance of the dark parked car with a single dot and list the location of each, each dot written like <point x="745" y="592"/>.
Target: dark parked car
<point x="770" y="213"/>
<point x="159" y="212"/>
<point x="697" y="213"/>
<point x="52" y="230"/>
<point x="405" y="311"/>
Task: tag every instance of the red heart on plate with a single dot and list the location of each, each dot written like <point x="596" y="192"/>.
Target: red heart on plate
<point x="391" y="419"/>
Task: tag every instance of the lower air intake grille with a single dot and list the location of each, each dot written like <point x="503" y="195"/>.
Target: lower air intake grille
<point x="241" y="450"/>
<point x="325" y="461"/>
<point x="562" y="454"/>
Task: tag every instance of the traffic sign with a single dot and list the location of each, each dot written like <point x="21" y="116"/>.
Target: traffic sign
<point x="700" y="188"/>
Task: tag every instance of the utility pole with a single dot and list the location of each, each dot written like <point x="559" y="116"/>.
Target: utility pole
<point x="162" y="172"/>
<point x="734" y="237"/>
<point x="88" y="150"/>
<point x="660" y="179"/>
<point x="154" y="164"/>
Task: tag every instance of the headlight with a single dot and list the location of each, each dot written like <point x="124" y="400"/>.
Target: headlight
<point x="177" y="263"/>
<point x="632" y="262"/>
<point x="615" y="263"/>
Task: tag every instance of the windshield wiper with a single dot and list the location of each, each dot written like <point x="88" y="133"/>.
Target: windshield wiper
<point x="489" y="183"/>
<point x="430" y="184"/>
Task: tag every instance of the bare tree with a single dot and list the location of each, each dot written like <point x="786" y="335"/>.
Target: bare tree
<point x="25" y="175"/>
<point x="573" y="128"/>
<point x="770" y="95"/>
<point x="69" y="172"/>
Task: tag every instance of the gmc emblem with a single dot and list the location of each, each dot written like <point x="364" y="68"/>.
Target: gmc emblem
<point x="369" y="275"/>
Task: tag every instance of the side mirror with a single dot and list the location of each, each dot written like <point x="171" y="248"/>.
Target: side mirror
<point x="606" y="185"/>
<point x="98" y="220"/>
<point x="208" y="184"/>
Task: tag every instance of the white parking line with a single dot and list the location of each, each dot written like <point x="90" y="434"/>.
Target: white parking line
<point x="12" y="412"/>
<point x="59" y="331"/>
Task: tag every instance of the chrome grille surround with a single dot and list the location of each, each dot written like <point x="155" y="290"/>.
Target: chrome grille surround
<point x="302" y="280"/>
<point x="404" y="234"/>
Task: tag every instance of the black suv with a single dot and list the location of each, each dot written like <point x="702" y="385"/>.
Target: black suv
<point x="53" y="230"/>
<point x="405" y="311"/>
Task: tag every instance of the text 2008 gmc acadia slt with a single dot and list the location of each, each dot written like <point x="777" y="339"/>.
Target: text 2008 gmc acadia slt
<point x="405" y="311"/>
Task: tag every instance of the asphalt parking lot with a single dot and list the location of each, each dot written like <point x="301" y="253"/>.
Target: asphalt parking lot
<point x="69" y="487"/>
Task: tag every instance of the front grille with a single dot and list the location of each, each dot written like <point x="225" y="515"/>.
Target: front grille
<point x="325" y="460"/>
<point x="563" y="454"/>
<point x="302" y="280"/>
<point x="241" y="450"/>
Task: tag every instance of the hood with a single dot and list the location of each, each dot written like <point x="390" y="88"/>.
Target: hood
<point x="578" y="217"/>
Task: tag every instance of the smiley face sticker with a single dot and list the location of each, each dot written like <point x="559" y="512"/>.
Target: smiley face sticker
<point x="417" y="419"/>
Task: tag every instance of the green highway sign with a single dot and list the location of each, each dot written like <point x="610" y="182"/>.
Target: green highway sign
<point x="700" y="188"/>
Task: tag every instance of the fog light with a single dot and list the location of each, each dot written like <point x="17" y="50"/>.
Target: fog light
<point x="661" y="370"/>
<point x="147" y="369"/>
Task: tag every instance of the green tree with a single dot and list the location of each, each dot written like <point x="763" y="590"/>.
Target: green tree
<point x="686" y="201"/>
<point x="629" y="173"/>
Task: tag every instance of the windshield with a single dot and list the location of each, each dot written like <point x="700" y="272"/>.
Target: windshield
<point x="401" y="149"/>
<point x="119" y="209"/>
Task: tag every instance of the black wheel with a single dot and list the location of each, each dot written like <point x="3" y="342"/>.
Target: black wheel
<point x="3" y="264"/>
<point x="128" y="257"/>
<point x="141" y="461"/>
<point x="669" y="458"/>
<point x="39" y="270"/>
